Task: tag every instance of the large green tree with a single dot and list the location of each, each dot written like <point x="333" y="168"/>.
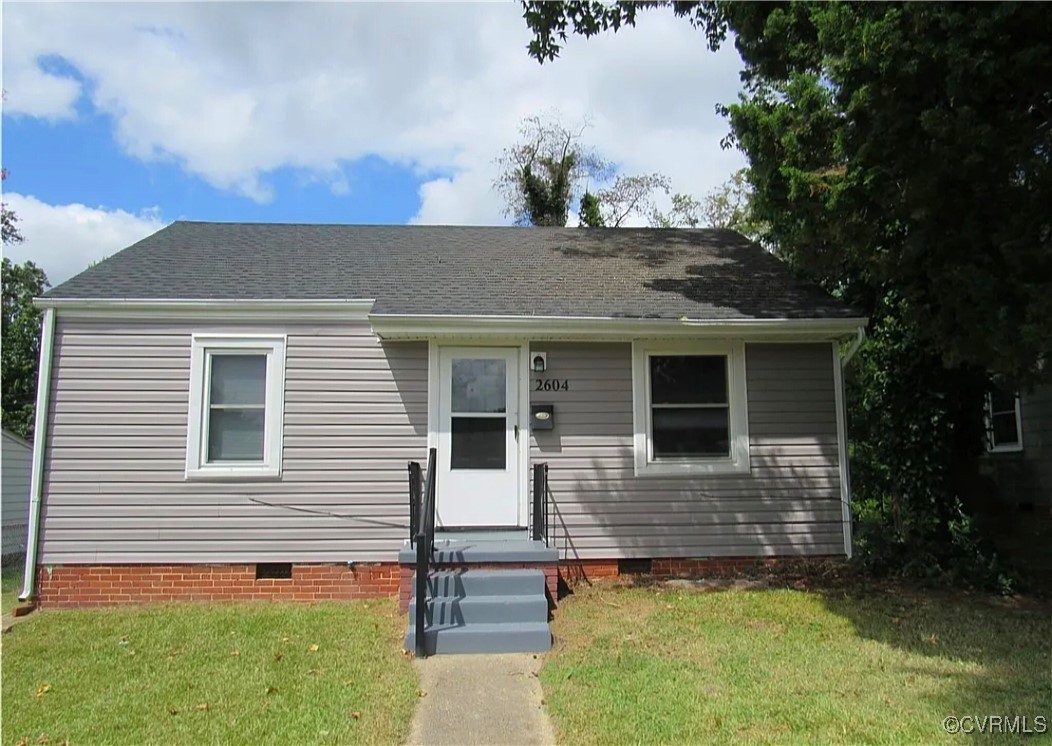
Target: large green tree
<point x="901" y="155"/>
<point x="21" y="344"/>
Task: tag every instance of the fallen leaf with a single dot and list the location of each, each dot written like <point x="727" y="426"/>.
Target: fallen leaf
<point x="122" y="641"/>
<point x="203" y="706"/>
<point x="43" y="689"/>
<point x="312" y="672"/>
<point x="313" y="649"/>
<point x="172" y="710"/>
<point x="278" y="655"/>
<point x="284" y="639"/>
<point x="349" y="682"/>
<point x="131" y="652"/>
<point x="235" y="653"/>
<point x="421" y="693"/>
<point x="23" y="741"/>
<point x="44" y="738"/>
<point x="356" y="715"/>
<point x="272" y="690"/>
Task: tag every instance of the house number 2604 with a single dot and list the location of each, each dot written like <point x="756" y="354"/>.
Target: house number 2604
<point x="552" y="384"/>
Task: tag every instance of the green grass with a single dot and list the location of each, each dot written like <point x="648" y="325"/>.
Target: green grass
<point x="640" y="665"/>
<point x="10" y="586"/>
<point x="191" y="674"/>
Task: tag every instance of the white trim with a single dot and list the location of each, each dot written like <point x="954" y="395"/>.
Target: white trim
<point x="36" y="480"/>
<point x="841" y="440"/>
<point x="738" y="462"/>
<point x="991" y="445"/>
<point x="261" y="309"/>
<point x="540" y="328"/>
<point x="203" y="346"/>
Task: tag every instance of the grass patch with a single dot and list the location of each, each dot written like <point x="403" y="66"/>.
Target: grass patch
<point x="10" y="586"/>
<point x="186" y="673"/>
<point x="647" y="665"/>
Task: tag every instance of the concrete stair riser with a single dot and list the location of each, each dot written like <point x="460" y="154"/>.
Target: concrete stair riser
<point x="484" y="610"/>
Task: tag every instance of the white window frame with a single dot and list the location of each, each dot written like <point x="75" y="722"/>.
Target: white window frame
<point x="991" y="444"/>
<point x="202" y="347"/>
<point x="738" y="415"/>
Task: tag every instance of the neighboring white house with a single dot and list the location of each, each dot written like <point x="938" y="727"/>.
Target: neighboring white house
<point x="17" y="460"/>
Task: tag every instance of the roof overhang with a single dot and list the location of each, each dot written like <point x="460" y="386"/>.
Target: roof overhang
<point x="262" y="309"/>
<point x="411" y="327"/>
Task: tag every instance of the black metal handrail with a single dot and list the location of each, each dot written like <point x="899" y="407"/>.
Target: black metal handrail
<point x="415" y="496"/>
<point x="425" y="543"/>
<point x="539" y="530"/>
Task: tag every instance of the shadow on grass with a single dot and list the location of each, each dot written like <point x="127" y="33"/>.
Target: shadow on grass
<point x="1006" y="641"/>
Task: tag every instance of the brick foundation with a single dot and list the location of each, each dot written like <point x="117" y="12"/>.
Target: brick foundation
<point x="106" y="585"/>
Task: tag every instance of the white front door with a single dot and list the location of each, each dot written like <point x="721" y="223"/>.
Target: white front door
<point x="478" y="438"/>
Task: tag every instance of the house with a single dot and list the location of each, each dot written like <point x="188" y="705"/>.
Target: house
<point x="1019" y="447"/>
<point x="15" y="463"/>
<point x="228" y="411"/>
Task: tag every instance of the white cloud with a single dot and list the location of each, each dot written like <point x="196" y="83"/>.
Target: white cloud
<point x="65" y="239"/>
<point x="234" y="91"/>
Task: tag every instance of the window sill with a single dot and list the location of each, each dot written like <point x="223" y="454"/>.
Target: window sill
<point x="715" y="467"/>
<point x="244" y="473"/>
<point x="1005" y="449"/>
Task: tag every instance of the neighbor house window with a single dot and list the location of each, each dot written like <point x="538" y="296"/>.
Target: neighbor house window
<point x="237" y="391"/>
<point x="690" y="409"/>
<point x="1004" y="430"/>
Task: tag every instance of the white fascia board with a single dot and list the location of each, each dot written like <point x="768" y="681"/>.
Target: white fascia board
<point x="404" y="326"/>
<point x="262" y="309"/>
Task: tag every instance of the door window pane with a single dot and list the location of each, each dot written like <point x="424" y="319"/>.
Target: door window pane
<point x="479" y="385"/>
<point x="690" y="432"/>
<point x="478" y="443"/>
<point x="688" y="379"/>
<point x="235" y="435"/>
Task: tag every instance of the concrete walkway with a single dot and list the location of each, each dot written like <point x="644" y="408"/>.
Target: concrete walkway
<point x="480" y="699"/>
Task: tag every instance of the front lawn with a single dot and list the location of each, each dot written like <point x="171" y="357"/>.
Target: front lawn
<point x="187" y="673"/>
<point x="647" y="665"/>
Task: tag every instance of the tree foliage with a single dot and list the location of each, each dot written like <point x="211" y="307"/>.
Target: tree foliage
<point x="540" y="175"/>
<point x="21" y="344"/>
<point x="728" y="206"/>
<point x="8" y="220"/>
<point x="551" y="167"/>
<point x="900" y="154"/>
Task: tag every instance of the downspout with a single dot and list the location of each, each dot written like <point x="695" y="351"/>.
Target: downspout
<point x="36" y="485"/>
<point x="841" y="406"/>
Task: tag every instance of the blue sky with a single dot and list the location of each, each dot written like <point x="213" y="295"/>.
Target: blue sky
<point x="121" y="118"/>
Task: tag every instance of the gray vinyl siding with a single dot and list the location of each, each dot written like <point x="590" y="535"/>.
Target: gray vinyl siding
<point x="789" y="503"/>
<point x="17" y="463"/>
<point x="355" y="412"/>
<point x="1025" y="477"/>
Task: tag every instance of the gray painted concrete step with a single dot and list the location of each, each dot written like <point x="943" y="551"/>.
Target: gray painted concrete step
<point x="461" y="583"/>
<point x="484" y="609"/>
<point x="528" y="637"/>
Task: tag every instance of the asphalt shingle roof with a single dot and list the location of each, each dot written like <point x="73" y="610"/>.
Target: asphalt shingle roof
<point x="617" y="272"/>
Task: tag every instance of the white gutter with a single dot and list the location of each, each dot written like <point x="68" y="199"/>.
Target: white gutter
<point x="36" y="484"/>
<point x="247" y="309"/>
<point x="413" y="326"/>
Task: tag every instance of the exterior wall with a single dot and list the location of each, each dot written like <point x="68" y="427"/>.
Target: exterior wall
<point x="789" y="504"/>
<point x="17" y="464"/>
<point x="115" y="490"/>
<point x="1026" y="476"/>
